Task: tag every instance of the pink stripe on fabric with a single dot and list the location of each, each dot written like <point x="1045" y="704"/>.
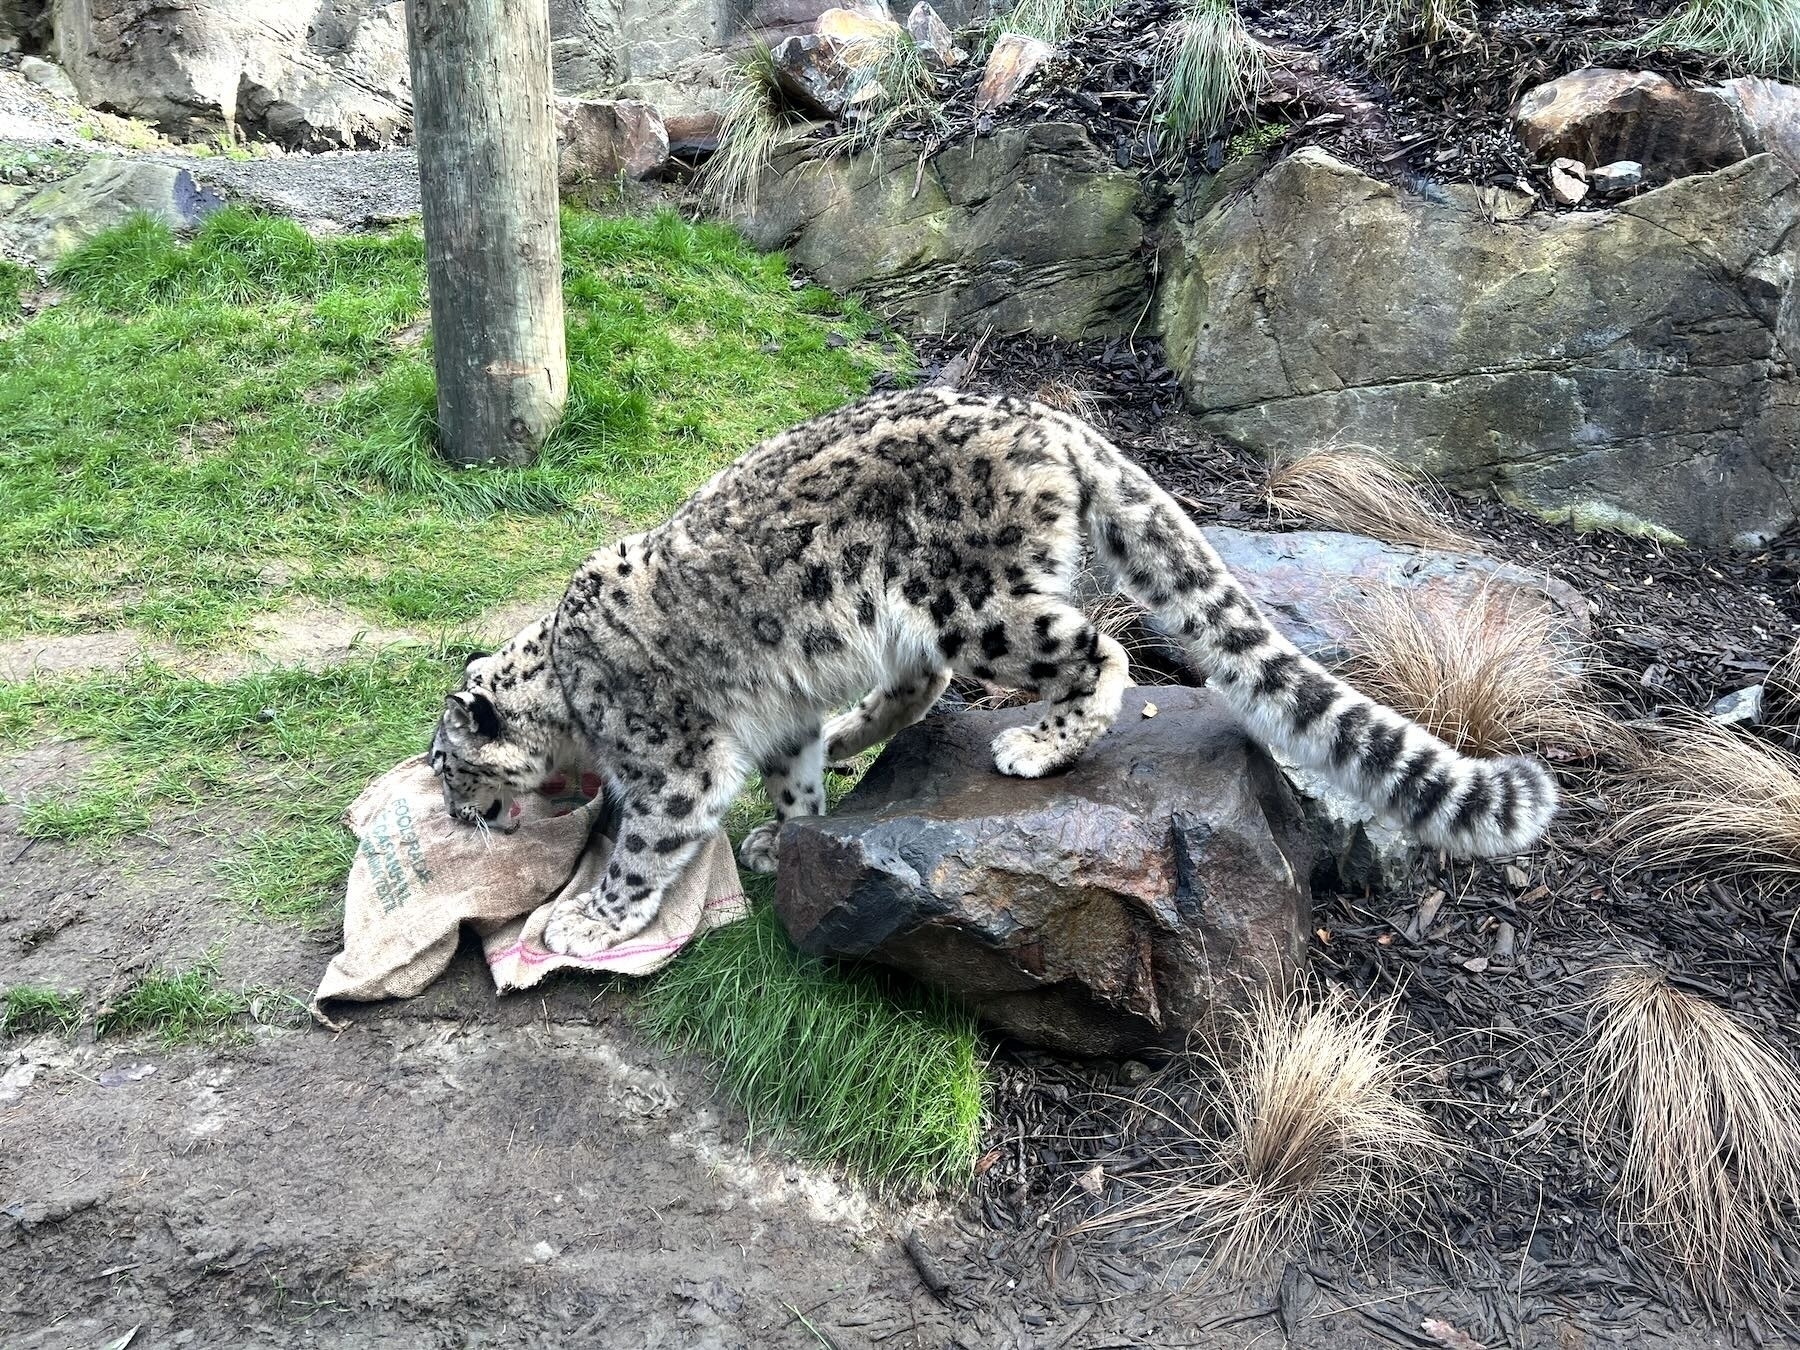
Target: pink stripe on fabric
<point x="531" y="956"/>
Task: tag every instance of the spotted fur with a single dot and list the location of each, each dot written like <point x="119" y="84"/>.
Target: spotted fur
<point x="881" y="548"/>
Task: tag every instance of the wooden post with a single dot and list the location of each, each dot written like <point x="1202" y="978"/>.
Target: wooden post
<point x="485" y="127"/>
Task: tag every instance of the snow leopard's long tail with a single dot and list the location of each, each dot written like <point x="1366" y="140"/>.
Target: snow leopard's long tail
<point x="1472" y="807"/>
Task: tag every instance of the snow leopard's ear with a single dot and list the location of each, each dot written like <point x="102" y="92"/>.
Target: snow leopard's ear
<point x="471" y="712"/>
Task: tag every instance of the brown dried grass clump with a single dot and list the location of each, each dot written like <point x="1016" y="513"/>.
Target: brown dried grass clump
<point x="1304" y="1130"/>
<point x="1708" y="1120"/>
<point x="1069" y="398"/>
<point x="1496" y="676"/>
<point x="1712" y="800"/>
<point x="1353" y="488"/>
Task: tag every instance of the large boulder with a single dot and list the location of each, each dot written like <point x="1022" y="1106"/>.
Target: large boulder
<point x="1310" y="583"/>
<point x="1095" y="912"/>
<point x="1031" y="229"/>
<point x="317" y="76"/>
<point x="1597" y="116"/>
<point x="1631" y="367"/>
<point x="597" y="140"/>
<point x="103" y="193"/>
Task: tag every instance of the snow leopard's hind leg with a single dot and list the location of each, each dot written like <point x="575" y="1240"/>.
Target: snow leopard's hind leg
<point x="1048" y="645"/>
<point x="892" y="708"/>
<point x="795" y="784"/>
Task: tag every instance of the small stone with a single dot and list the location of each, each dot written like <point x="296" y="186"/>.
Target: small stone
<point x="1014" y="59"/>
<point x="933" y="35"/>
<point x="812" y="71"/>
<point x="1568" y="181"/>
<point x="863" y="23"/>
<point x="1134" y="1072"/>
<point x="1743" y="707"/>
<point x="49" y="77"/>
<point x="1475" y="965"/>
<point x="1093" y="1180"/>
<point x="1516" y="877"/>
<point x="543" y="1253"/>
<point x="121" y="1074"/>
<point x="836" y="340"/>
<point x="1617" y="178"/>
<point x="1149" y="710"/>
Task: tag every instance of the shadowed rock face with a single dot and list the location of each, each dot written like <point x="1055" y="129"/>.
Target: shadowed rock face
<point x="1031" y="229"/>
<point x="1632" y="365"/>
<point x="1095" y="912"/>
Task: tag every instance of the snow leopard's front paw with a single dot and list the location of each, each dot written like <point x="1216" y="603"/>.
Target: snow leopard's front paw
<point x="1025" y="752"/>
<point x="758" y="850"/>
<point x="576" y="928"/>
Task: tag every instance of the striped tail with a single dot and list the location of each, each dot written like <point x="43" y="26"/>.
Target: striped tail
<point x="1288" y="702"/>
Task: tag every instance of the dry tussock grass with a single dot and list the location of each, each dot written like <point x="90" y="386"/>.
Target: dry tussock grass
<point x="1116" y="616"/>
<point x="1352" y="488"/>
<point x="1490" y="677"/>
<point x="1708" y="1121"/>
<point x="1318" y="1137"/>
<point x="1711" y="800"/>
<point x="1069" y="398"/>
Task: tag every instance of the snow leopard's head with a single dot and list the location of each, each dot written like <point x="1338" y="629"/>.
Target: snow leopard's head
<point x="503" y="732"/>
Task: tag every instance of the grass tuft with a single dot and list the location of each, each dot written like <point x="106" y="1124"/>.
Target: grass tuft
<point x="1759" y="37"/>
<point x="1303" y="1129"/>
<point x="894" y="87"/>
<point x="1492" y="677"/>
<point x="1713" y="801"/>
<point x="1393" y="24"/>
<point x="25" y="1009"/>
<point x="1068" y="398"/>
<point x="1355" y="489"/>
<point x="1707" y="1120"/>
<point x="179" y="1007"/>
<point x="857" y="1069"/>
<point x="1052" y="21"/>
<point x="755" y="121"/>
<point x="1213" y="71"/>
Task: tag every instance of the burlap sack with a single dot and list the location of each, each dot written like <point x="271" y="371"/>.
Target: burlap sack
<point x="419" y="876"/>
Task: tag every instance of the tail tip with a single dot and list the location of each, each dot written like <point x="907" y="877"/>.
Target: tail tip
<point x="1533" y="793"/>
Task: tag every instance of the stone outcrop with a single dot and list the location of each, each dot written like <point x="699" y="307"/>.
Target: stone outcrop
<point x="1634" y="366"/>
<point x="317" y="76"/>
<point x="1094" y="912"/>
<point x="1031" y="229"/>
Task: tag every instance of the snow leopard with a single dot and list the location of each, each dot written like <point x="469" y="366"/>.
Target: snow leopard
<point x="868" y="555"/>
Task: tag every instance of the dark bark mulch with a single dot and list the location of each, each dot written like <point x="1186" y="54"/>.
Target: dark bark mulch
<point x="1494" y="984"/>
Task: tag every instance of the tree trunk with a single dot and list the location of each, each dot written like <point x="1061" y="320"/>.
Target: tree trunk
<point x="484" y="123"/>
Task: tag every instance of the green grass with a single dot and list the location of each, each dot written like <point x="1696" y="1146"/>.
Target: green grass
<point x="15" y="281"/>
<point x="857" y="1069"/>
<point x="27" y="1008"/>
<point x="179" y="1006"/>
<point x="1758" y="37"/>
<point x="197" y="419"/>
<point x="1211" y="75"/>
<point x="285" y="749"/>
<point x="203" y="432"/>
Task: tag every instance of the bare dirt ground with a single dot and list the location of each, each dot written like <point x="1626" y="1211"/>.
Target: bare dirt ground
<point x="456" y="1171"/>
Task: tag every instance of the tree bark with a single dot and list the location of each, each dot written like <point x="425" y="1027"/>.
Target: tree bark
<point x="486" y="131"/>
